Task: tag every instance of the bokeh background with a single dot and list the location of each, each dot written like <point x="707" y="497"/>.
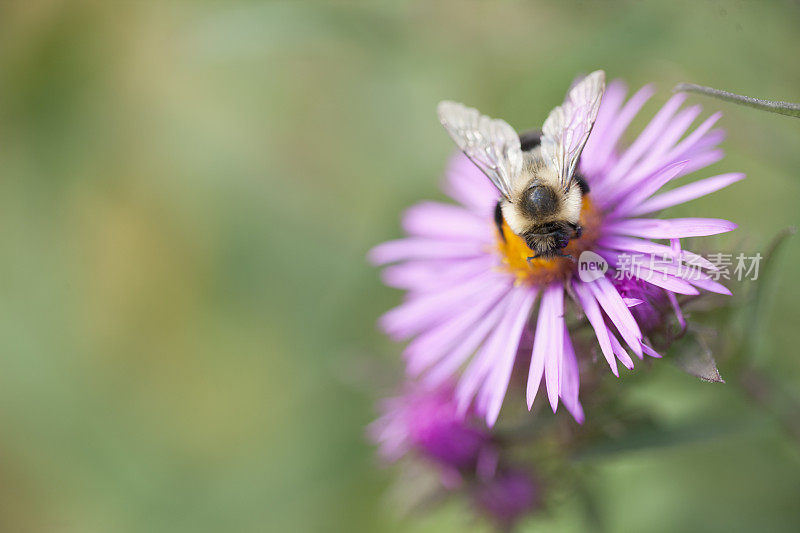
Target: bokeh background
<point x="187" y="194"/>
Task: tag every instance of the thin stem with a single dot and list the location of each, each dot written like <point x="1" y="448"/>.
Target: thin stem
<point x="782" y="108"/>
<point x="766" y="394"/>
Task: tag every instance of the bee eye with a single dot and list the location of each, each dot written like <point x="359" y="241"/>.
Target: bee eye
<point x="539" y="201"/>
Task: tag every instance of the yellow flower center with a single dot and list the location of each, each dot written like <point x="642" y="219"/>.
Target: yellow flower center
<point x="541" y="271"/>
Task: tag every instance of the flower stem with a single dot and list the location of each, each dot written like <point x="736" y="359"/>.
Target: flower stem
<point x="782" y="108"/>
<point x="766" y="394"/>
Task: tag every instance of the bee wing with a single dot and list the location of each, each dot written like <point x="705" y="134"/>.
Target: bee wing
<point x="491" y="144"/>
<point x="567" y="128"/>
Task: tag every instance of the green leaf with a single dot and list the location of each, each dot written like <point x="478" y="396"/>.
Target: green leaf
<point x="694" y="356"/>
<point x="653" y="436"/>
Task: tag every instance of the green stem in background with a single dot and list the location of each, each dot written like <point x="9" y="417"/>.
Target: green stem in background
<point x="767" y="394"/>
<point x="755" y="306"/>
<point x="782" y="108"/>
<point x="593" y="516"/>
<point x="760" y="388"/>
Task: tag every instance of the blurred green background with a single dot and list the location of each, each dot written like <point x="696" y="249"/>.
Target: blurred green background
<point x="187" y="194"/>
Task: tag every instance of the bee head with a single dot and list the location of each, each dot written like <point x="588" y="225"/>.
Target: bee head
<point x="539" y="201"/>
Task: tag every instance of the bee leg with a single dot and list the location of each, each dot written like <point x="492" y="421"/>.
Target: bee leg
<point x="578" y="229"/>
<point x="498" y="220"/>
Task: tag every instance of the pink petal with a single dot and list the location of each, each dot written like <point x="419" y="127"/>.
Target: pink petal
<point x="665" y="281"/>
<point x="495" y="387"/>
<point x="466" y="347"/>
<point x="417" y="314"/>
<point x="673" y="300"/>
<point x="571" y="381"/>
<point x="622" y="355"/>
<point x="677" y="277"/>
<point x="670" y="228"/>
<point x="593" y="157"/>
<point x="630" y="244"/>
<point x="691" y="140"/>
<point x="688" y="273"/>
<point x="704" y="144"/>
<point x="553" y="363"/>
<point x="632" y="302"/>
<point x="655" y="157"/>
<point x="592" y="311"/>
<point x="675" y="245"/>
<point x="432" y="345"/>
<point x="465" y="183"/>
<point x="610" y="300"/>
<point x="664" y="275"/>
<point x="685" y="193"/>
<point x="648" y="187"/>
<point x="674" y="131"/>
<point x="446" y="221"/>
<point x="701" y="160"/>
<point x="617" y="126"/>
<point x="711" y="286"/>
<point x="651" y="352"/>
<point x="651" y="132"/>
<point x="424" y="248"/>
<point x="481" y="364"/>
<point x="547" y="345"/>
<point x="433" y="275"/>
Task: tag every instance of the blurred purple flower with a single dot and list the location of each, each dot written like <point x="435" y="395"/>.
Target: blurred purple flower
<point x="428" y="422"/>
<point x="471" y="294"/>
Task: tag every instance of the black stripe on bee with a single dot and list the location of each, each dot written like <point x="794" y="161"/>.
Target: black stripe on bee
<point x="581" y="181"/>
<point x="530" y="140"/>
<point x="498" y="219"/>
<point x="549" y="228"/>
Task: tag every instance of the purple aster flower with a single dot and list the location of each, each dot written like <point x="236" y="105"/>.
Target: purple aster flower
<point x="649" y="304"/>
<point x="471" y="295"/>
<point x="427" y="421"/>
